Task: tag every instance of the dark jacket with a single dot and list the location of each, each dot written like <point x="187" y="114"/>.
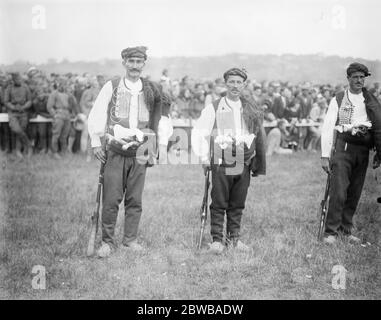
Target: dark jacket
<point x="373" y="109"/>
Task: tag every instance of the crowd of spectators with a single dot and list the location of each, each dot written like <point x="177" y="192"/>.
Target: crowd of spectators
<point x="60" y="104"/>
<point x="292" y="112"/>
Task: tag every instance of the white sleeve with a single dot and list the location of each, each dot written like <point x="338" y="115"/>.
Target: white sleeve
<point x="98" y="115"/>
<point x="328" y="128"/>
<point x="201" y="131"/>
<point x="165" y="130"/>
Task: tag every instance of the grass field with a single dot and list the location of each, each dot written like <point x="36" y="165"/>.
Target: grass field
<point x="45" y="218"/>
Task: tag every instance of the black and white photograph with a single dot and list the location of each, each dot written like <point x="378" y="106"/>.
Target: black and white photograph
<point x="204" y="152"/>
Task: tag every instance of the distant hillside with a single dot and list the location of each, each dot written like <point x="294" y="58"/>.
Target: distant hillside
<point x="315" y="68"/>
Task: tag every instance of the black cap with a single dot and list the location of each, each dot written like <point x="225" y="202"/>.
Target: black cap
<point x="357" y="67"/>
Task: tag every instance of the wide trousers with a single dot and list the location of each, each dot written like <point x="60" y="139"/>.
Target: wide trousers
<point x="349" y="166"/>
<point x="18" y="122"/>
<point x="228" y="197"/>
<point x="60" y="133"/>
<point x="122" y="176"/>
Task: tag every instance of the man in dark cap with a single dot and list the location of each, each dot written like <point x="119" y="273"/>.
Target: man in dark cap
<point x="18" y="100"/>
<point x="351" y="127"/>
<point x="234" y="128"/>
<point x="125" y="111"/>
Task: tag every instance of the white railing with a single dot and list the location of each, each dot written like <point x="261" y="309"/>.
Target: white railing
<point x="182" y="123"/>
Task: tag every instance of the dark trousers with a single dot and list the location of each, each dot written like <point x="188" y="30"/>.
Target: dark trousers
<point x="39" y="135"/>
<point x="228" y="196"/>
<point x="349" y="166"/>
<point x="122" y="176"/>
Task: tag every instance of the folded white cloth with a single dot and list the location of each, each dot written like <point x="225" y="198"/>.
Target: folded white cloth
<point x="126" y="133"/>
<point x="225" y="140"/>
<point x="354" y="127"/>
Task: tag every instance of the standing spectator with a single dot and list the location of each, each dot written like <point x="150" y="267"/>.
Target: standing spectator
<point x="305" y="102"/>
<point x="327" y="94"/>
<point x="18" y="100"/>
<point x="39" y="131"/>
<point x="281" y="102"/>
<point x="165" y="81"/>
<point x="79" y="87"/>
<point x="198" y="101"/>
<point x="60" y="106"/>
<point x="212" y="94"/>
<point x="87" y="102"/>
<point x="257" y="94"/>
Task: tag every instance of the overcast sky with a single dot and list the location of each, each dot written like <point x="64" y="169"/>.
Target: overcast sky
<point x="92" y="30"/>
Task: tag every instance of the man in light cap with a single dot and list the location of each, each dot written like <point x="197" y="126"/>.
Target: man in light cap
<point x="352" y="126"/>
<point x="230" y="140"/>
<point x="126" y="112"/>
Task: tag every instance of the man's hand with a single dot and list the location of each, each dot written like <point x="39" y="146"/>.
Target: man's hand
<point x="99" y="154"/>
<point x="325" y="164"/>
<point x="376" y="161"/>
<point x="206" y="167"/>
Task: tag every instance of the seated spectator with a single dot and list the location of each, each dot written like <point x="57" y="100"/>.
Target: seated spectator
<point x="275" y="138"/>
<point x="293" y="114"/>
<point x="317" y="114"/>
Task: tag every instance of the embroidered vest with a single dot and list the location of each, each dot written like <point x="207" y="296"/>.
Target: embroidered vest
<point x="225" y="124"/>
<point x="119" y="113"/>
<point x="345" y="114"/>
<point x="346" y="109"/>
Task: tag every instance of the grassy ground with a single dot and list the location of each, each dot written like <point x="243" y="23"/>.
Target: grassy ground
<point x="45" y="214"/>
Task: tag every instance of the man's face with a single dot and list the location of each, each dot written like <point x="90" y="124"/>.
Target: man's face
<point x="234" y="85"/>
<point x="356" y="81"/>
<point x="16" y="80"/>
<point x="101" y="81"/>
<point x="287" y="93"/>
<point x="61" y="86"/>
<point x="246" y="94"/>
<point x="134" y="66"/>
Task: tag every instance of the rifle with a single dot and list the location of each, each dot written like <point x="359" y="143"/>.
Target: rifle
<point x="324" y="208"/>
<point x="95" y="216"/>
<point x="204" y="208"/>
<point x="325" y="201"/>
<point x="204" y="205"/>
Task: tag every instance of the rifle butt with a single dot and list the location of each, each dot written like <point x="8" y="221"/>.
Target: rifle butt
<point x="323" y="215"/>
<point x="201" y="235"/>
<point x="91" y="243"/>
